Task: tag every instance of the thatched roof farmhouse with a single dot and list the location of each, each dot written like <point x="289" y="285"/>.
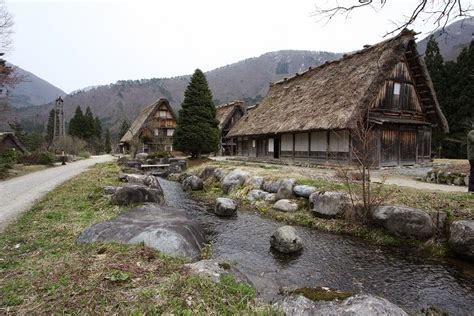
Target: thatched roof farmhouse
<point x="8" y="141"/>
<point x="152" y="130"/>
<point x="228" y="115"/>
<point x="312" y="115"/>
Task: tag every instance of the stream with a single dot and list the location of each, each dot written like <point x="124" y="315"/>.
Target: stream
<point x="329" y="260"/>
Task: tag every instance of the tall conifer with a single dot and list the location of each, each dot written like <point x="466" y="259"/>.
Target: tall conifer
<point x="197" y="131"/>
<point x="108" y="144"/>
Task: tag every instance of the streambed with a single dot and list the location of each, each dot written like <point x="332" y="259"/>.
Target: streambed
<point x="329" y="260"/>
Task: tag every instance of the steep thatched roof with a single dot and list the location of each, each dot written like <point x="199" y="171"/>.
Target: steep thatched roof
<point x="334" y="94"/>
<point x="225" y="111"/>
<point x="14" y="139"/>
<point x="142" y="118"/>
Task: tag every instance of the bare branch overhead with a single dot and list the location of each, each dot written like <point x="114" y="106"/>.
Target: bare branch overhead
<point x="441" y="12"/>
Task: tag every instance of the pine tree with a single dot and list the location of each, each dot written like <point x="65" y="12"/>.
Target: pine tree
<point x="435" y="64"/>
<point x="97" y="128"/>
<point x="197" y="130"/>
<point x="124" y="128"/>
<point x="108" y="144"/>
<point x="89" y="130"/>
<point x="76" y="124"/>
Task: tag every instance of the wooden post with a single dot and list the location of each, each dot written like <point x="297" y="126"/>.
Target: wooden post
<point x="293" y="146"/>
<point x="309" y="146"/>
<point x="327" y="144"/>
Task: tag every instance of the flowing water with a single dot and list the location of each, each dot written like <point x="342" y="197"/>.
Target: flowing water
<point x="334" y="261"/>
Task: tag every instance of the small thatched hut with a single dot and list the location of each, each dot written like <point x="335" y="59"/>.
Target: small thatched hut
<point x="228" y="114"/>
<point x="9" y="141"/>
<point x="152" y="131"/>
<point x="314" y="115"/>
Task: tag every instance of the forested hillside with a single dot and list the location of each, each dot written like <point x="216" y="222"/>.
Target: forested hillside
<point x="246" y="80"/>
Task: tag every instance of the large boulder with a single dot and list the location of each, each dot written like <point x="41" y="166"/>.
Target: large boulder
<point x="358" y="305"/>
<point x="270" y="197"/>
<point x="256" y="195"/>
<point x="285" y="240"/>
<point x="208" y="172"/>
<point x="271" y="186"/>
<point x="405" y="221"/>
<point x="161" y="227"/>
<point x="134" y="164"/>
<point x="147" y="180"/>
<point x="225" y="207"/>
<point x="192" y="183"/>
<point x="285" y="205"/>
<point x="329" y="204"/>
<point x="214" y="270"/>
<point x="131" y="194"/>
<point x="141" y="156"/>
<point x="303" y="190"/>
<point x="461" y="238"/>
<point x="219" y="174"/>
<point x="296" y="306"/>
<point x="256" y="182"/>
<point x="285" y="190"/>
<point x="234" y="179"/>
<point x="109" y="190"/>
<point x="175" y="167"/>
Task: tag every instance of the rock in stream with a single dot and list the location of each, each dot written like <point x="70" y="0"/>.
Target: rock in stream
<point x="164" y="228"/>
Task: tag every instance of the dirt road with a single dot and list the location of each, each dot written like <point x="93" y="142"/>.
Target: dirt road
<point x="18" y="194"/>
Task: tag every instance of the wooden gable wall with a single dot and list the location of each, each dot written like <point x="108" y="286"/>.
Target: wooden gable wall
<point x="399" y="80"/>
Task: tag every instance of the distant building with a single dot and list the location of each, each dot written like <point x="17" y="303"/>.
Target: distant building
<point x="152" y="130"/>
<point x="8" y="140"/>
<point x="313" y="116"/>
<point x="228" y="114"/>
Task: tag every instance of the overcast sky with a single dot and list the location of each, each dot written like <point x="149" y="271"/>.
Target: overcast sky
<point x="75" y="44"/>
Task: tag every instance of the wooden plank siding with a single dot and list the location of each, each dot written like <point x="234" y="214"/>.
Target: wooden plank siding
<point x="394" y="145"/>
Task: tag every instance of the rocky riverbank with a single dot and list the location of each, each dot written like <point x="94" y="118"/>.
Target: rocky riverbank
<point x="294" y="202"/>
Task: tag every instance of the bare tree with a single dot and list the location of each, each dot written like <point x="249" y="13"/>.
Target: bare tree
<point x="364" y="194"/>
<point x="6" y="28"/>
<point x="8" y="77"/>
<point x="441" y="11"/>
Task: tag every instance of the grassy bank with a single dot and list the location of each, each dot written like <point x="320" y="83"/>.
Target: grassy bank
<point x="456" y="205"/>
<point x="43" y="270"/>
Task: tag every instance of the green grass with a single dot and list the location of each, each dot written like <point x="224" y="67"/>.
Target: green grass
<point x="44" y="271"/>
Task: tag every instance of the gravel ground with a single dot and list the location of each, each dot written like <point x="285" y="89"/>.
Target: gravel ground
<point x="18" y="194"/>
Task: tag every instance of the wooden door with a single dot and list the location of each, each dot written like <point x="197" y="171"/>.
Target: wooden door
<point x="408" y="147"/>
<point x="389" y="148"/>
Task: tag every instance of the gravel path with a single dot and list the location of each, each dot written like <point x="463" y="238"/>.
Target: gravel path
<point x="18" y="194"/>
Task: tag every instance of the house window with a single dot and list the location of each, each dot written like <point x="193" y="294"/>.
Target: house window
<point x="396" y="95"/>
<point x="396" y="89"/>
<point x="169" y="148"/>
<point x="253" y="143"/>
<point x="271" y="145"/>
<point x="170" y="132"/>
<point x="163" y="114"/>
<point x="157" y="132"/>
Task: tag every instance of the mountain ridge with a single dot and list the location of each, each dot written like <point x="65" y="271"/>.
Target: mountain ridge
<point x="246" y="80"/>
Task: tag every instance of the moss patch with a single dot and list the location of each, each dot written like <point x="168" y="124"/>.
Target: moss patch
<point x="321" y="294"/>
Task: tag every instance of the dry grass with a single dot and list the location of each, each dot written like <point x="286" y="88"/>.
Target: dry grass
<point x="20" y="170"/>
<point x="452" y="165"/>
<point x="44" y="271"/>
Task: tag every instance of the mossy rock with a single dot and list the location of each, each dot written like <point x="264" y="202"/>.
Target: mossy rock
<point x="322" y="294"/>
